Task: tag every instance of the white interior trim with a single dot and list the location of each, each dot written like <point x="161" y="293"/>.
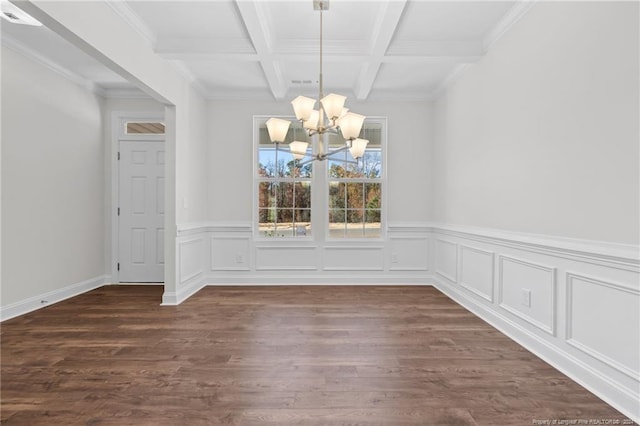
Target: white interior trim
<point x="49" y="298"/>
<point x="118" y="120"/>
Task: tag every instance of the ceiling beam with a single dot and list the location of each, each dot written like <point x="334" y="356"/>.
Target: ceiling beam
<point x="172" y="47"/>
<point x="253" y="15"/>
<point x="237" y="49"/>
<point x="388" y="20"/>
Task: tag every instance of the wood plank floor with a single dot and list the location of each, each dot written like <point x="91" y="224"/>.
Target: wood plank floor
<point x="275" y="355"/>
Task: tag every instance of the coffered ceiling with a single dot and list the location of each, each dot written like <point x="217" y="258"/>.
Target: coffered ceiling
<point x="264" y="49"/>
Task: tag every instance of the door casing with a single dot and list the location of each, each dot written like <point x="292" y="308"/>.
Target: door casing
<point x="118" y="123"/>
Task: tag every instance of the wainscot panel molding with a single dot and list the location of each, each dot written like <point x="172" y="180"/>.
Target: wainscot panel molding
<point x="575" y="304"/>
<point x="192" y="254"/>
<point x="224" y="227"/>
<point x="353" y="258"/>
<point x="528" y="291"/>
<point x="611" y="255"/>
<point x="231" y="255"/>
<point x="586" y="298"/>
<point x="288" y="257"/>
<point x="46" y="299"/>
<point x="230" y="252"/>
<point x="477" y="271"/>
<point x="409" y="253"/>
<point x="447" y="259"/>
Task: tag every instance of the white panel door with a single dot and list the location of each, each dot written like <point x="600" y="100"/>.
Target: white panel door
<point x="141" y="219"/>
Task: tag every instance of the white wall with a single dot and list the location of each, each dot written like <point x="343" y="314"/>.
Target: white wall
<point x="193" y="165"/>
<point x="222" y="249"/>
<point x="231" y="149"/>
<point x="52" y="182"/>
<point x="97" y="29"/>
<point x="541" y="136"/>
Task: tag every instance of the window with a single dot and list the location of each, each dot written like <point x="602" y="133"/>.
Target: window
<point x="355" y="188"/>
<point x="284" y="188"/>
<point x="144" y="128"/>
<point x="342" y="195"/>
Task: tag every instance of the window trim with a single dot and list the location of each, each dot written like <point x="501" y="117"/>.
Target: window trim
<point x="257" y="119"/>
<point x="383" y="183"/>
<point x="319" y="192"/>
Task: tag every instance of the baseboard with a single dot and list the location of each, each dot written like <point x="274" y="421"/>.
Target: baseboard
<point x="170" y="298"/>
<point x="186" y="290"/>
<point x="325" y="279"/>
<point x="593" y="380"/>
<point x="46" y="299"/>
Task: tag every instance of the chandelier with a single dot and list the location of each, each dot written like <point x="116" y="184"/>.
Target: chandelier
<point x="330" y="117"/>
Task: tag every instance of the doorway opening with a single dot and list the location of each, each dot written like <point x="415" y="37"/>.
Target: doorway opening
<point x="139" y="198"/>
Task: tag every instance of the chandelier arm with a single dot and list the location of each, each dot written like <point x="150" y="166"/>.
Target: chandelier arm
<point x="336" y="151"/>
<point x="310" y="160"/>
<point x="340" y="122"/>
<point x="281" y="149"/>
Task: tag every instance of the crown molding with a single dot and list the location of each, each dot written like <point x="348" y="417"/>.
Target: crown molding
<point x="123" y="93"/>
<point x="105" y="92"/>
<point x="399" y="95"/>
<point x="450" y="79"/>
<point x="185" y="72"/>
<point x="512" y="16"/>
<point x="31" y="54"/>
<point x="133" y="20"/>
<point x="238" y="95"/>
<point x="440" y="49"/>
<point x="264" y="95"/>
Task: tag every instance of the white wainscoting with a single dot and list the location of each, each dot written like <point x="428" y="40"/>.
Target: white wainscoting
<point x="46" y="299"/>
<point x="589" y="330"/>
<point x="353" y="258"/>
<point x="191" y="257"/>
<point x="286" y="258"/>
<point x="231" y="255"/>
<point x="477" y="271"/>
<point x="190" y="253"/>
<point x="576" y="304"/>
<point x="447" y="259"/>
<point x="517" y="278"/>
<point x="409" y="253"/>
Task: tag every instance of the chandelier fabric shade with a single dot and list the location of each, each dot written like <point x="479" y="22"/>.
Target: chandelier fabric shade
<point x="330" y="117"/>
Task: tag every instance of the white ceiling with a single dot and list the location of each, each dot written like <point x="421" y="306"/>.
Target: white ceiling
<point x="387" y="49"/>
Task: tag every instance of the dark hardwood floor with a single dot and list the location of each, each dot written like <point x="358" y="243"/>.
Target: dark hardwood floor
<point x="276" y="355"/>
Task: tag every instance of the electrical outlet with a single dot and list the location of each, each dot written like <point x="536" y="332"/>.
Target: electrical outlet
<point x="526" y="297"/>
<point x="394" y="258"/>
<point x="239" y="258"/>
